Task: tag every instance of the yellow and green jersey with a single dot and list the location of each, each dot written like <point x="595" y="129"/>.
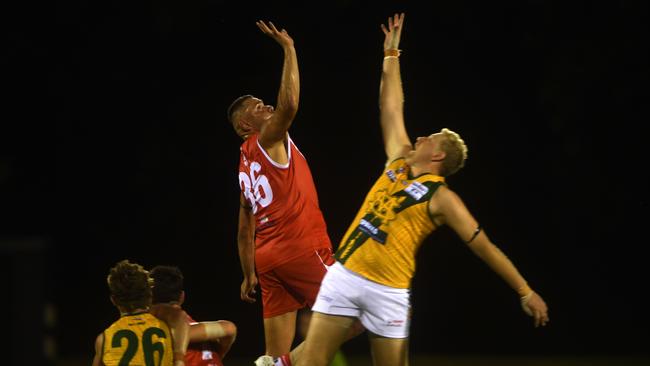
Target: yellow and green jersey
<point x="392" y="223"/>
<point x="138" y="339"/>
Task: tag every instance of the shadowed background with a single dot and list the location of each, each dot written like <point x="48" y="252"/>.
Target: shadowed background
<point x="115" y="145"/>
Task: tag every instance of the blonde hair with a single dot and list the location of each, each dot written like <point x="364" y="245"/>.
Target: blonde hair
<point x="455" y="151"/>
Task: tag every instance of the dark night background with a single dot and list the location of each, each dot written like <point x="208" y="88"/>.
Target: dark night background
<point x="114" y="144"/>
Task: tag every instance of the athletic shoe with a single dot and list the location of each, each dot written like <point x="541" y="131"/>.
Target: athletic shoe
<point x="265" y="360"/>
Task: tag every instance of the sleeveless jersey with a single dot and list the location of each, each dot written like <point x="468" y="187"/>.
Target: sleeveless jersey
<point x="139" y="339"/>
<point x="392" y="223"/>
<point x="288" y="220"/>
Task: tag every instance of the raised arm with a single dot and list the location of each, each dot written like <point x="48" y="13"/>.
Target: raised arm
<point x="274" y="133"/>
<point x="391" y="95"/>
<point x="246" y="245"/>
<point x="448" y="208"/>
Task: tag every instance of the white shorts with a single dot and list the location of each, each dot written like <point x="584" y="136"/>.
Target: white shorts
<point x="383" y="310"/>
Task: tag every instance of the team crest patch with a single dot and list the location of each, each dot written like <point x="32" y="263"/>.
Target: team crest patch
<point x="416" y="190"/>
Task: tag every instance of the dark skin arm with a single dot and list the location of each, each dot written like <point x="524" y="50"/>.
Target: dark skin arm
<point x="246" y="246"/>
<point x="273" y="136"/>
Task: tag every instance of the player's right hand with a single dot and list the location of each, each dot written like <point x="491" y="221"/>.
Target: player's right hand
<point x="248" y="288"/>
<point x="280" y="36"/>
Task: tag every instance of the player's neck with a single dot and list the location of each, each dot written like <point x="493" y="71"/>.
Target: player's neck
<point x="419" y="169"/>
<point x="134" y="312"/>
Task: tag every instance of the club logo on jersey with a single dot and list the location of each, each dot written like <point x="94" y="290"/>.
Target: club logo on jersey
<point x="383" y="205"/>
<point x="416" y="190"/>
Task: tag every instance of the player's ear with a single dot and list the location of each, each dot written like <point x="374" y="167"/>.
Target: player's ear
<point x="438" y="156"/>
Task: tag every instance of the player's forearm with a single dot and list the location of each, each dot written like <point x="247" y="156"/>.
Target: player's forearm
<point x="391" y="110"/>
<point x="246" y="255"/>
<point x="289" y="93"/>
<point x="199" y="332"/>
<point x="502" y="265"/>
<point x="227" y="340"/>
<point x="246" y="241"/>
<point x="211" y="331"/>
<point x="222" y="333"/>
<point x="391" y="94"/>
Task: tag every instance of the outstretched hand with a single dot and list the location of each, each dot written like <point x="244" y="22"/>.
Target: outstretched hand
<point x="535" y="306"/>
<point x="280" y="36"/>
<point x="393" y="32"/>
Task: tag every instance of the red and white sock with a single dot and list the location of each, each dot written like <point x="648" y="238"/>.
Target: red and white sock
<point x="283" y="360"/>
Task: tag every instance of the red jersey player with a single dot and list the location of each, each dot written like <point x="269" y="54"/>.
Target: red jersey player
<point x="282" y="236"/>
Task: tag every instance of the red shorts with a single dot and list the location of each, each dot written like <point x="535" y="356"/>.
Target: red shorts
<point x="202" y="354"/>
<point x="295" y="284"/>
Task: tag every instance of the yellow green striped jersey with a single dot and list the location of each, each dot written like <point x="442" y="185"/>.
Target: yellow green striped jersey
<point x="392" y="223"/>
<point x="139" y="339"/>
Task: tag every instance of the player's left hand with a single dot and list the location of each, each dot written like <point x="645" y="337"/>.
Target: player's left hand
<point x="535" y="306"/>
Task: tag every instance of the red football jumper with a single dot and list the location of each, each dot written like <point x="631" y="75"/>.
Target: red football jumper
<point x="283" y="199"/>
